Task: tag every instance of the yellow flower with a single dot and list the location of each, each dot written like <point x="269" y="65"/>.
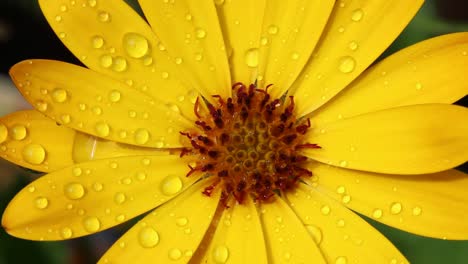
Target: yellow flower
<point x="150" y="125"/>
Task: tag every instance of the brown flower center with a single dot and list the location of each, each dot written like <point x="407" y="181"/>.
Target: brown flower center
<point x="249" y="142"/>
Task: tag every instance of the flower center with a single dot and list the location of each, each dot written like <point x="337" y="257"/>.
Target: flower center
<point x="250" y="143"/>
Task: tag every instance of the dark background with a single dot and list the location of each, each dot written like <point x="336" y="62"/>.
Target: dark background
<point x="24" y="34"/>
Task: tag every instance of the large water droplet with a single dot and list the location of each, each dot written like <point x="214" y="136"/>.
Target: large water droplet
<point x="18" y="132"/>
<point x="142" y="136"/>
<point x="395" y="208"/>
<point x="34" y="154"/>
<point x="74" y="191"/>
<point x="41" y="202"/>
<point x="135" y="45"/>
<point x="104" y="16"/>
<point x="66" y="233"/>
<point x="106" y="61"/>
<point x="102" y="129"/>
<point x="91" y="224"/>
<point x="119" y="64"/>
<point x="220" y="254"/>
<point x="251" y="57"/>
<point x="341" y="260"/>
<point x="171" y="185"/>
<point x="114" y="96"/>
<point x="59" y="95"/>
<point x="357" y="15"/>
<point x="119" y="198"/>
<point x="181" y="221"/>
<point x="148" y="237"/>
<point x="347" y="64"/>
<point x="97" y="42"/>
<point x="175" y="254"/>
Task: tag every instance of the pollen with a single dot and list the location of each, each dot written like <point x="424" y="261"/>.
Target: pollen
<point x="250" y="143"/>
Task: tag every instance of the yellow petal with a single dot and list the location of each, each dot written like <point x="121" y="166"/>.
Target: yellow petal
<point x="111" y="38"/>
<point x="87" y="148"/>
<point x="171" y="233"/>
<point x="357" y="33"/>
<point x="93" y="196"/>
<point x="288" y="40"/>
<point x="98" y="105"/>
<point x="433" y="205"/>
<point x="432" y="71"/>
<point x="31" y="140"/>
<point x="286" y="237"/>
<point x="241" y="23"/>
<point x="191" y="33"/>
<point x="238" y="237"/>
<point x="343" y="236"/>
<point x="405" y="140"/>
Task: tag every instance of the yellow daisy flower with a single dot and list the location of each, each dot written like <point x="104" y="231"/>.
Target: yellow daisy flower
<point x="252" y="128"/>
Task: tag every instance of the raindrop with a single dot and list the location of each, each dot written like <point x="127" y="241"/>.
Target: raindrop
<point x="114" y="96"/>
<point x="96" y="110"/>
<point x="141" y="176"/>
<point x="325" y="210"/>
<point x="119" y="64"/>
<point x="34" y="154"/>
<point x="251" y="57"/>
<point x="357" y="15"/>
<point x="200" y="33"/>
<point x="417" y="211"/>
<point x="346" y="64"/>
<point x="41" y="202"/>
<point x="97" y="186"/>
<point x="220" y="254"/>
<point x="148" y="237"/>
<point x="104" y="16"/>
<point x="66" y="233"/>
<point x="97" y="42"/>
<point x="106" y="61"/>
<point x="41" y="106"/>
<point x="119" y="198"/>
<point x="343" y="163"/>
<point x="181" y="221"/>
<point x="341" y="189"/>
<point x="74" y="191"/>
<point x="18" y="132"/>
<point x="341" y="260"/>
<point x="418" y="86"/>
<point x="142" y="136"/>
<point x="346" y="199"/>
<point x="395" y="208"/>
<point x="273" y="30"/>
<point x="175" y="254"/>
<point x="295" y="56"/>
<point x="102" y="129"/>
<point x="135" y="45"/>
<point x="92" y="3"/>
<point x="59" y="95"/>
<point x="91" y="224"/>
<point x="377" y="213"/>
<point x="178" y="60"/>
<point x="171" y="185"/>
<point x="353" y="45"/>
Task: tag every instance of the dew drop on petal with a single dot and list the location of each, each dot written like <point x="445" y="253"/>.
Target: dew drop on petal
<point x="34" y="154"/>
<point x="114" y="96"/>
<point x="97" y="42"/>
<point x="3" y="133"/>
<point x="347" y="64"/>
<point x="102" y="129"/>
<point x="135" y="45"/>
<point x="104" y="16"/>
<point x="41" y="202"/>
<point x="148" y="237"/>
<point x="59" y="95"/>
<point x="91" y="224"/>
<point x="142" y="136"/>
<point x="341" y="260"/>
<point x="119" y="198"/>
<point x="175" y="254"/>
<point x="377" y="213"/>
<point x="74" y="191"/>
<point x="357" y="15"/>
<point x="200" y="33"/>
<point x="66" y="233"/>
<point x="119" y="64"/>
<point x="395" y="208"/>
<point x="417" y="211"/>
<point x="220" y="254"/>
<point x="325" y="210"/>
<point x="273" y="30"/>
<point x="353" y="45"/>
<point x="315" y="233"/>
<point x="19" y="132"/>
<point x="171" y="185"/>
<point x="106" y="61"/>
<point x="181" y="221"/>
<point x="252" y="57"/>
<point x="97" y="186"/>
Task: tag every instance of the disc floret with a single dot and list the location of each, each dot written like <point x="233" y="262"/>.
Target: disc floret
<point x="250" y="143"/>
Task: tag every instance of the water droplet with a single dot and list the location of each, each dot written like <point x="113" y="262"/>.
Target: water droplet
<point x="325" y="210"/>
<point x="91" y="224"/>
<point x="200" y="33"/>
<point x="92" y="3"/>
<point x="104" y="16"/>
<point x="97" y="42"/>
<point x="377" y="213"/>
<point x="220" y="254"/>
<point x="34" y="154"/>
<point x="120" y="218"/>
<point x="357" y="15"/>
<point x="418" y="86"/>
<point x="141" y="176"/>
<point x="142" y="136"/>
<point x="31" y="189"/>
<point x="135" y="45"/>
<point x="175" y="254"/>
<point x="119" y="198"/>
<point x="18" y="132"/>
<point x="74" y="191"/>
<point x="102" y="129"/>
<point x="65" y="119"/>
<point x="295" y="56"/>
<point x="59" y="95"/>
<point x="315" y="232"/>
<point x="165" y="75"/>
<point x="41" y="202"/>
<point x="417" y="211"/>
<point x="341" y="260"/>
<point x="343" y="163"/>
<point x="171" y="185"/>
<point x="97" y="186"/>
<point x="179" y="60"/>
<point x="346" y="64"/>
<point x="341" y="189"/>
<point x="395" y="208"/>
<point x="147" y="61"/>
<point x="66" y="233"/>
<point x="353" y="45"/>
<point x="114" y="96"/>
<point x="41" y="105"/>
<point x="148" y="237"/>
<point x="273" y="30"/>
<point x="3" y="133"/>
<point x="346" y="199"/>
<point x="119" y="64"/>
<point x="181" y="221"/>
<point x="63" y="8"/>
<point x="106" y="61"/>
<point x="340" y="223"/>
<point x="251" y="57"/>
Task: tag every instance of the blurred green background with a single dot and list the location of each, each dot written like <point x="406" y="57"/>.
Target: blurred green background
<point x="25" y="34"/>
